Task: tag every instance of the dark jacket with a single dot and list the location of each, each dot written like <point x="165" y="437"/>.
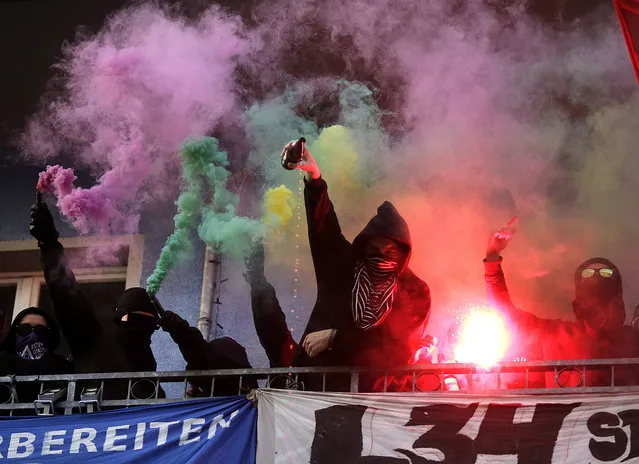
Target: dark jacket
<point x="94" y="349"/>
<point x="555" y="339"/>
<point x="395" y="340"/>
<point x="50" y="363"/>
<point x="133" y="337"/>
<point x="221" y="353"/>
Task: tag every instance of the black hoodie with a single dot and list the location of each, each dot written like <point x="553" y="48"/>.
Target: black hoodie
<point x="92" y="349"/>
<point x="133" y="337"/>
<point x="391" y="343"/>
<point x="95" y="349"/>
<point x="50" y="363"/>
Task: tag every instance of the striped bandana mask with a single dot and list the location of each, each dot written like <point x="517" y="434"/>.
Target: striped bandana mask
<point x="374" y="290"/>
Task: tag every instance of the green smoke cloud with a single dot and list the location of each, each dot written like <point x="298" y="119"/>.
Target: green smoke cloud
<point x="204" y="170"/>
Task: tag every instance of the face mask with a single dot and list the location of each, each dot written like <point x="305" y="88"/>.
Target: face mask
<point x="138" y="325"/>
<point x="374" y="290"/>
<point x="31" y="341"/>
<point x="381" y="267"/>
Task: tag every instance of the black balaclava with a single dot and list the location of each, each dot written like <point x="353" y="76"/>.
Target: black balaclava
<point x="135" y="300"/>
<point x="598" y="300"/>
<point x="134" y="334"/>
<point x="35" y="343"/>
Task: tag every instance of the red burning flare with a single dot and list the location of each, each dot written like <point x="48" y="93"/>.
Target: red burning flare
<point x="483" y="338"/>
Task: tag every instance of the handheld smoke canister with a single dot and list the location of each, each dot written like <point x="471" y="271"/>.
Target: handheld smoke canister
<point x="38" y="197"/>
<point x="158" y="307"/>
<point x="293" y="154"/>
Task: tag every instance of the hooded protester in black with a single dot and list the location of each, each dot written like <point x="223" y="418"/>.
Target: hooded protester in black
<point x="376" y="306"/>
<point x="599" y="296"/>
<point x="136" y="319"/>
<point x="221" y="353"/>
<point x="30" y="349"/>
<point x="598" y="332"/>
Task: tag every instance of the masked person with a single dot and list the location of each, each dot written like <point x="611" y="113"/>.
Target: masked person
<point x="28" y="349"/>
<point x="598" y="331"/>
<point x="371" y="309"/>
<point x="199" y="354"/>
<point x="136" y="319"/>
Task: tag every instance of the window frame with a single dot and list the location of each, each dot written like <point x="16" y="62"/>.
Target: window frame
<point x="29" y="283"/>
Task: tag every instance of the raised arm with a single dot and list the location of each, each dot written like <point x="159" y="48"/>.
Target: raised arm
<point x="269" y="319"/>
<point x="495" y="280"/>
<point x="324" y="232"/>
<point x="189" y="340"/>
<point x="72" y="309"/>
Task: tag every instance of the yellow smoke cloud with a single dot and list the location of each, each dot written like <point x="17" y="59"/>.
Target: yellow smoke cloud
<point x="278" y="207"/>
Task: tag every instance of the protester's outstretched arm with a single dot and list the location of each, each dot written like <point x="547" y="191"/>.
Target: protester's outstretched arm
<point x="269" y="319"/>
<point x="189" y="340"/>
<point x="324" y="232"/>
<point x="495" y="279"/>
<point x="72" y="309"/>
<point x="494" y="276"/>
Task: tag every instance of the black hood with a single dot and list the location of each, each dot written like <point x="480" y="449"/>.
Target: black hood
<point x="135" y="299"/>
<point x="386" y="223"/>
<point x="9" y="343"/>
<point x="606" y="262"/>
<point x="614" y="289"/>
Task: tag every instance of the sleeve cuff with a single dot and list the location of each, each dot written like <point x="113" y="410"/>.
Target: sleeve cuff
<point x="493" y="266"/>
<point x="50" y="245"/>
<point x="314" y="183"/>
<point x="331" y="339"/>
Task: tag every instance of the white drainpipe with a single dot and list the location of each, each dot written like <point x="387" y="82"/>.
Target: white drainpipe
<point x="210" y="299"/>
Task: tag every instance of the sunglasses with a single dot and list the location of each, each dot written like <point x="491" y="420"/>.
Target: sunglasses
<point x="604" y="272"/>
<point x="26" y="329"/>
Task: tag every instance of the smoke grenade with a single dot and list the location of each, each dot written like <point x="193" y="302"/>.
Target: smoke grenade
<point x="158" y="306"/>
<point x="293" y="154"/>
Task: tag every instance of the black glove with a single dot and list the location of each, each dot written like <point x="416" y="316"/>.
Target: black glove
<point x="171" y="321"/>
<point x="41" y="225"/>
<point x="255" y="264"/>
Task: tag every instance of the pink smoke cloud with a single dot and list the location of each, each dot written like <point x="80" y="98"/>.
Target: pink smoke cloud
<point x="129" y="96"/>
<point x="56" y="180"/>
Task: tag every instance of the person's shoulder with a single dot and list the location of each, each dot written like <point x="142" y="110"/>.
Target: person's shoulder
<point x="411" y="283"/>
<point x="62" y="364"/>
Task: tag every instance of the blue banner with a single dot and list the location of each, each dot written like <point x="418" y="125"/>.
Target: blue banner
<point x="220" y="430"/>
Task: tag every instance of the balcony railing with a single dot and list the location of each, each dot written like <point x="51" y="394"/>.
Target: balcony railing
<point x="68" y="394"/>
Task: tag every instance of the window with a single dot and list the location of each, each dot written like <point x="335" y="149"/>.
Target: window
<point x="103" y="266"/>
